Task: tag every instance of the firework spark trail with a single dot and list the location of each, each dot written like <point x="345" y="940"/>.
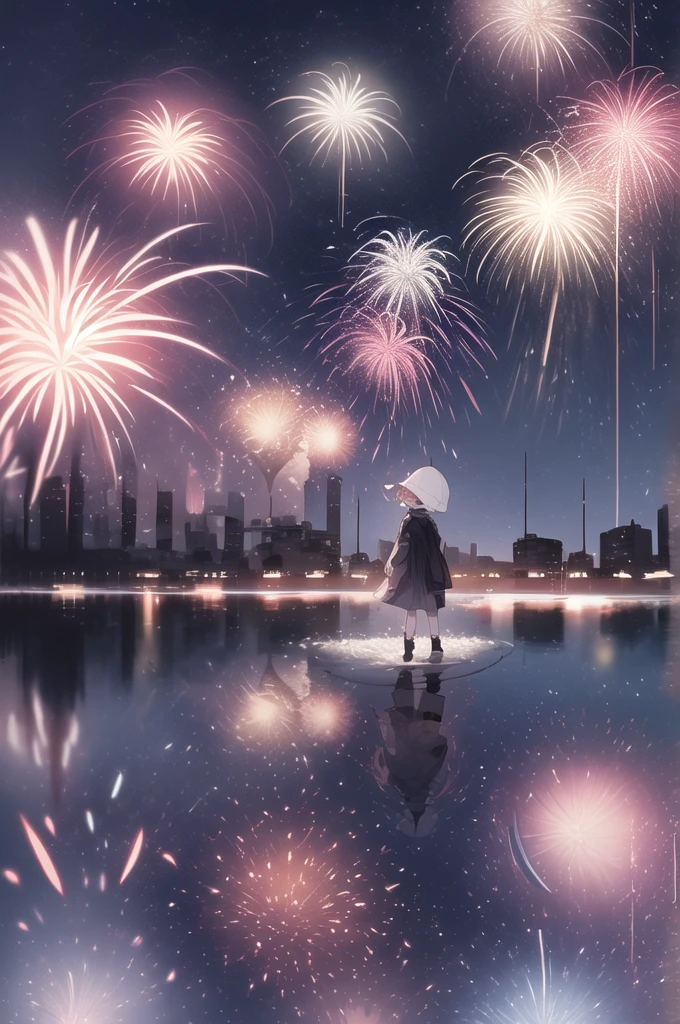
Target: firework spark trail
<point x="345" y="118"/>
<point x="74" y="332"/>
<point x="627" y="135"/>
<point x="133" y="857"/>
<point x="540" y="225"/>
<point x="42" y="856"/>
<point x="534" y="34"/>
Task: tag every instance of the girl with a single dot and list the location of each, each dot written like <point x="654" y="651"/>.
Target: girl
<point x="416" y="571"/>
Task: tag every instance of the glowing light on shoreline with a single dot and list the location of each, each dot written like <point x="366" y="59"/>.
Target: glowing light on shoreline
<point x="345" y="120"/>
<point x="76" y="331"/>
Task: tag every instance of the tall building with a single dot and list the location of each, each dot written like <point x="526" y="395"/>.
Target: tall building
<point x="101" y="530"/>
<point x="663" y="537"/>
<point x="128" y="518"/>
<point x="473" y="554"/>
<point x="232" y="552"/>
<point x="581" y="561"/>
<point x="333" y="506"/>
<point x="215" y="504"/>
<point x="53" y="516"/>
<point x="626" y="549"/>
<point x="537" y="554"/>
<point x="236" y="506"/>
<point x="164" y="520"/>
<point x="76" y="507"/>
<point x="534" y="553"/>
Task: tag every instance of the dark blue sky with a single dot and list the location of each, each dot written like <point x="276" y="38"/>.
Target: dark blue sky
<point x="55" y="60"/>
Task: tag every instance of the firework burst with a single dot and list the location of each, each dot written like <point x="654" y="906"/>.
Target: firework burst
<point x="328" y="437"/>
<point x="345" y="120"/>
<point x="579" y="826"/>
<point x="538" y="35"/>
<point x="627" y="135"/>
<point x="327" y="716"/>
<point x="169" y="148"/>
<point x="299" y="907"/>
<point x="77" y="336"/>
<point x="553" y="1001"/>
<point x="377" y="349"/>
<point x="540" y="224"/>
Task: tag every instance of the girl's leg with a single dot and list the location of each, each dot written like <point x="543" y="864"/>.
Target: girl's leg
<point x="409" y="633"/>
<point x="433" y="622"/>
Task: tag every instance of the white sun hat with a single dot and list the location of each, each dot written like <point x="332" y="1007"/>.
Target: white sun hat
<point x="428" y="484"/>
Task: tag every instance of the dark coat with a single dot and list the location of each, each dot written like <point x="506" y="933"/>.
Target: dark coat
<point x="419" y="569"/>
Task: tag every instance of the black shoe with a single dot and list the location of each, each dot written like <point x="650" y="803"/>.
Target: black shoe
<point x="437" y="650"/>
<point x="409" y="648"/>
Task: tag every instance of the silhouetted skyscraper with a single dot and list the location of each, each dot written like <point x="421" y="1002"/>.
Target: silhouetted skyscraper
<point x="333" y="506"/>
<point x="101" y="530"/>
<point x="164" y="520"/>
<point x="236" y="506"/>
<point x="664" y="539"/>
<point x="128" y="517"/>
<point x="626" y="549"/>
<point x="53" y="516"/>
<point x="76" y="506"/>
<point x="473" y="554"/>
<point x="233" y="542"/>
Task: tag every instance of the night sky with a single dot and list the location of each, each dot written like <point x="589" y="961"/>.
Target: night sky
<point x="57" y="62"/>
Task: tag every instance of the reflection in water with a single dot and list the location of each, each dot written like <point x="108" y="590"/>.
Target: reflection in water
<point x="412" y="758"/>
<point x="209" y="725"/>
<point x="538" y="626"/>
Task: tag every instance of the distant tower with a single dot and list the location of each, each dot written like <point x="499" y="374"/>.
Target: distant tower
<point x="663" y="537"/>
<point x="333" y="503"/>
<point x="101" y="530"/>
<point x="525" y="494"/>
<point x="236" y="506"/>
<point x="53" y="516"/>
<point x="128" y="517"/>
<point x="76" y="506"/>
<point x="473" y="554"/>
<point x="164" y="520"/>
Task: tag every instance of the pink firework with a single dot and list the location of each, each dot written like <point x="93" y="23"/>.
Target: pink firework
<point x="78" y="336"/>
<point x="627" y="135"/>
<point x="580" y="829"/>
<point x="297" y="906"/>
<point x="391" y="361"/>
<point x="168" y="147"/>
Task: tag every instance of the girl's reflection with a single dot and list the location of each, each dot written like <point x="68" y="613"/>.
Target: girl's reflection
<point x="412" y="758"/>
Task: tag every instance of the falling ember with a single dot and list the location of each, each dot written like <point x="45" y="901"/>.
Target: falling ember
<point x="42" y="856"/>
<point x="116" y="786"/>
<point x="22" y="926"/>
<point x="134" y="855"/>
<point x="49" y="825"/>
<point x="171" y="976"/>
<point x="90" y="820"/>
<point x="170" y="859"/>
<point x="137" y="941"/>
<point x="11" y="876"/>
